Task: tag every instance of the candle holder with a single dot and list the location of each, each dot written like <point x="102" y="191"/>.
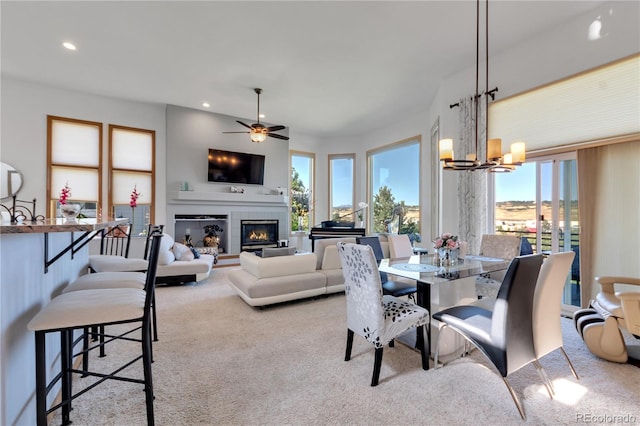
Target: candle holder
<point x="187" y="238"/>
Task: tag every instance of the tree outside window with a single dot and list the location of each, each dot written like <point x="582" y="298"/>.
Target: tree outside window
<point x="394" y="173"/>
<point x="300" y="203"/>
<point x="301" y="190"/>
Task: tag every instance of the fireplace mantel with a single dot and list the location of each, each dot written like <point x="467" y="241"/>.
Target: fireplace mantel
<point x="226" y="198"/>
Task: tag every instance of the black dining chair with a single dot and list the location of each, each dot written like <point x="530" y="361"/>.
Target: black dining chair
<point x="505" y="335"/>
<point x="390" y="287"/>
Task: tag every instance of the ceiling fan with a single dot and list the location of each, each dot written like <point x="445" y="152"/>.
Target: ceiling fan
<point x="259" y="132"/>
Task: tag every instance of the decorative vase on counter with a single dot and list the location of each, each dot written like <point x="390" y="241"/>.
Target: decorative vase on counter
<point x="70" y="212"/>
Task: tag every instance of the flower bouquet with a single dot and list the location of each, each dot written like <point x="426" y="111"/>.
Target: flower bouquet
<point x="446" y="240"/>
<point x="68" y="211"/>
<point x="447" y="246"/>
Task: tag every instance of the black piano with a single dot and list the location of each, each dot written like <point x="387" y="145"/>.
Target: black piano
<point x="334" y="229"/>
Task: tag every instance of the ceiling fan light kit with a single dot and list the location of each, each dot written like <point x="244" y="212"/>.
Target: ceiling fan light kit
<point x="495" y="162"/>
<point x="258" y="132"/>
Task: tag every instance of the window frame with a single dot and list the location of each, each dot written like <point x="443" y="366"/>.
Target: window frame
<point x="149" y="199"/>
<point x="52" y="194"/>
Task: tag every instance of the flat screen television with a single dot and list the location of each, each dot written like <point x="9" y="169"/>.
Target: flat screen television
<point x="235" y="167"/>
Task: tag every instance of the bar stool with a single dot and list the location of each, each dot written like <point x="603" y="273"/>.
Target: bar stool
<point x="102" y="281"/>
<point x="76" y="310"/>
<point x="119" y="272"/>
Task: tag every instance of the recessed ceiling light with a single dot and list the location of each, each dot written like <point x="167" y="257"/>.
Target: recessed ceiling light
<point x="261" y="116"/>
<point x="206" y="104"/>
<point x="69" y="46"/>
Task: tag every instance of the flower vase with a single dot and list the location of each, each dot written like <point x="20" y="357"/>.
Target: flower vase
<point x="70" y="212"/>
<point x="443" y="256"/>
<point x="447" y="256"/>
<point x="361" y="224"/>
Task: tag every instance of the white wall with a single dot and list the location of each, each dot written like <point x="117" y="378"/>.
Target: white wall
<point x="190" y="134"/>
<point x="25" y="107"/>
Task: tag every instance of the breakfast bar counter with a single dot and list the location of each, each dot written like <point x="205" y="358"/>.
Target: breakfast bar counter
<point x="57" y="225"/>
<point x="38" y="259"/>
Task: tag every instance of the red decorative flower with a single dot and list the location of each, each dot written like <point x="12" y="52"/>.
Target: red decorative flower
<point x="65" y="193"/>
<point x="134" y="197"/>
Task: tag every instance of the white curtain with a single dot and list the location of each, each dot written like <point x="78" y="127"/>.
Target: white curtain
<point x="472" y="186"/>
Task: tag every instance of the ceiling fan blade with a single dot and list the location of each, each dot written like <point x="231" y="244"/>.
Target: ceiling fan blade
<point x="245" y="125"/>
<point x="275" y="128"/>
<point x="286" y="138"/>
<point x="237" y="132"/>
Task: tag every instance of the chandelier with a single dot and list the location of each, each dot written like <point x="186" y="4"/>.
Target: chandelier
<point x="494" y="162"/>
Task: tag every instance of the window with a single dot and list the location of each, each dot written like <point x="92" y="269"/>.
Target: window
<point x="302" y="190"/>
<point x="394" y="187"/>
<point x="74" y="160"/>
<point x="341" y="186"/>
<point x="132" y="153"/>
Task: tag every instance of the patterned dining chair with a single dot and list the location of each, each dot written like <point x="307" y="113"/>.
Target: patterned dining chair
<point x="498" y="246"/>
<point x="377" y="318"/>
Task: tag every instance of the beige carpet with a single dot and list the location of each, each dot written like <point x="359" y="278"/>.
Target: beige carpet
<point x="221" y="362"/>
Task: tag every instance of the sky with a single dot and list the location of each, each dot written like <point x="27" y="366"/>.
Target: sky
<point x="399" y="169"/>
<point x="519" y="185"/>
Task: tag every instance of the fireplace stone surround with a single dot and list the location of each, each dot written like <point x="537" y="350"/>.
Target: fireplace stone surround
<point x="231" y="208"/>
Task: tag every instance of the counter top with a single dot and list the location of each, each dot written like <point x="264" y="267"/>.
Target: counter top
<point x="59" y="225"/>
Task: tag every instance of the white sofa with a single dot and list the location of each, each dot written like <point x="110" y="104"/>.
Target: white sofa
<point x="263" y="281"/>
<point x="176" y="263"/>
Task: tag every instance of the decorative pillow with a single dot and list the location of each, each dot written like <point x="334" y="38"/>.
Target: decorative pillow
<point x="280" y="251"/>
<point x="166" y="255"/>
<point x="196" y="253"/>
<point x="182" y="252"/>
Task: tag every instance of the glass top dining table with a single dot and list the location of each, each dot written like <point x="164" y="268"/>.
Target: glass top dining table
<point x="427" y="275"/>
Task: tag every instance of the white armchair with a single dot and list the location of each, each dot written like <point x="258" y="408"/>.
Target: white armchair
<point x="600" y="325"/>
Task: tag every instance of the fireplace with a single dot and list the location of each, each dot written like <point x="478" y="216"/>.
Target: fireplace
<point x="258" y="234"/>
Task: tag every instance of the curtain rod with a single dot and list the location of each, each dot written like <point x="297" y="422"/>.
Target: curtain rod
<point x="491" y="93"/>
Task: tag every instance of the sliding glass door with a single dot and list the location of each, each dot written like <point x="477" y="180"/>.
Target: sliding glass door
<point x="559" y="219"/>
<point x="539" y="201"/>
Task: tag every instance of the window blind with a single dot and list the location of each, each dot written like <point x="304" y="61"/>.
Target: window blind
<point x="596" y="104"/>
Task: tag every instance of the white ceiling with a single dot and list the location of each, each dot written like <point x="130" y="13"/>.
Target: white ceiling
<point x="326" y="67"/>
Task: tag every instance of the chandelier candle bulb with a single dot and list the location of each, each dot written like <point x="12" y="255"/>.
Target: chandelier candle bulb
<point x="446" y="149"/>
<point x="507" y="159"/>
<point x="494" y="149"/>
<point x="518" y="152"/>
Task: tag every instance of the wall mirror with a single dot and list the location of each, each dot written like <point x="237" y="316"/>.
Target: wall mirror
<point x="10" y="181"/>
